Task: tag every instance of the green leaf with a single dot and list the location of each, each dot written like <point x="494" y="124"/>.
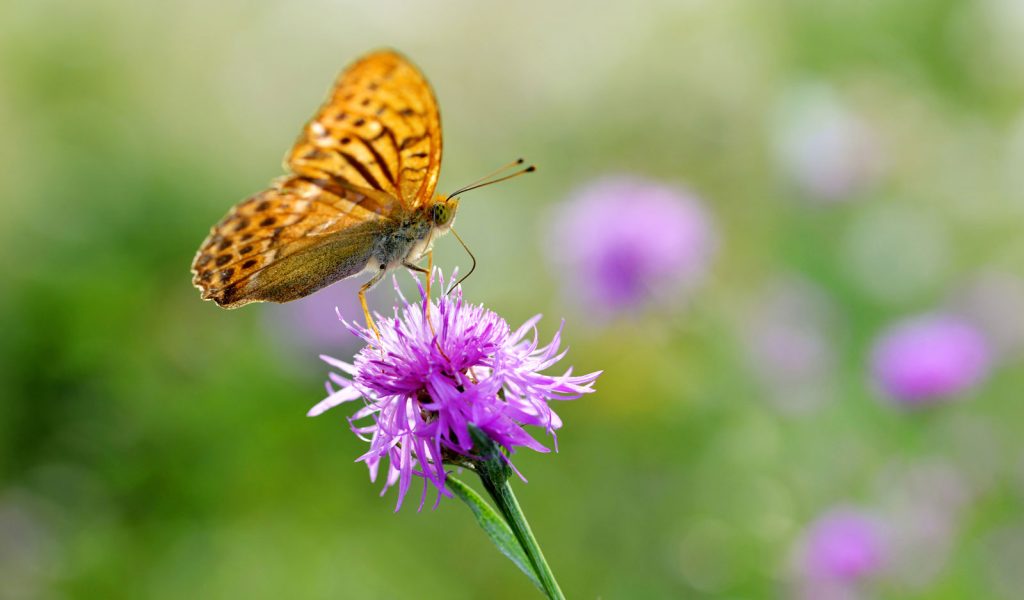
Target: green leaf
<point x="495" y="527"/>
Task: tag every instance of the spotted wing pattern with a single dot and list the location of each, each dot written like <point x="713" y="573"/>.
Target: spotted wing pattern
<point x="379" y="130"/>
<point x="258" y="251"/>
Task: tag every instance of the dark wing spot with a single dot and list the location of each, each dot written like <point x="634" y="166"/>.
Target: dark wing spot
<point x="224" y="244"/>
<point x="249" y="263"/>
<point x="419" y="155"/>
<point x="372" y="87"/>
<point x="408" y="112"/>
<point x="340" y="116"/>
<point x="203" y="260"/>
<point x="268" y="222"/>
<point x="223" y="259"/>
<point x="246" y="237"/>
<point x="409" y="141"/>
<point x="345" y="140"/>
<point x="227" y="295"/>
<point x="263" y="206"/>
<point x="246" y="249"/>
<point x="227" y="273"/>
<point x="365" y="102"/>
<point x="205" y="276"/>
<point x="360" y="122"/>
<point x="242" y="224"/>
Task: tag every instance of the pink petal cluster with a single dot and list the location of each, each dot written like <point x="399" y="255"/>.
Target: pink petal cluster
<point x="929" y="357"/>
<point x="426" y="380"/>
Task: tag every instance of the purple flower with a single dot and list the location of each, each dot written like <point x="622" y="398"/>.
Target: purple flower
<point x="843" y="545"/>
<point x="425" y="381"/>
<point x="929" y="357"/>
<point x="623" y="241"/>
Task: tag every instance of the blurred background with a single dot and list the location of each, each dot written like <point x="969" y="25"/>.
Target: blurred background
<point x="788" y="231"/>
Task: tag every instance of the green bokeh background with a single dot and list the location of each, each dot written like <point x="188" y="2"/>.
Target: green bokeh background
<point x="152" y="445"/>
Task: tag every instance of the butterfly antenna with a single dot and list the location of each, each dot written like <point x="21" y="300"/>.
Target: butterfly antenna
<point x="471" y="257"/>
<point x="483" y="181"/>
<point x="514" y="163"/>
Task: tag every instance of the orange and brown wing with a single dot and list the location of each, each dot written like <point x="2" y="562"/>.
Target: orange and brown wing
<point x="379" y="130"/>
<point x="287" y="242"/>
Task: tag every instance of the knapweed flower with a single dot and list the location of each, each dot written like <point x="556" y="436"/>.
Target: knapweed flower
<point x="426" y="380"/>
<point x="930" y="357"/>
<point x="843" y="545"/>
<point x="623" y="241"/>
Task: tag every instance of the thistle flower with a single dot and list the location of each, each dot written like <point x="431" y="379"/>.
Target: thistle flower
<point x="624" y="241"/>
<point x="842" y="545"/>
<point x="928" y="358"/>
<point x="426" y="380"/>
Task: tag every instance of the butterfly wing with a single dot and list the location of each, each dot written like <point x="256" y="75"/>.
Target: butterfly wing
<point x="380" y="130"/>
<point x="287" y="242"/>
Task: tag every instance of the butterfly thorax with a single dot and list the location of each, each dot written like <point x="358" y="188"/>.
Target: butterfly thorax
<point x="408" y="237"/>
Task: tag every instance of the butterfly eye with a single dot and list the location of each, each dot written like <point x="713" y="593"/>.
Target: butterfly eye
<point x="440" y="214"/>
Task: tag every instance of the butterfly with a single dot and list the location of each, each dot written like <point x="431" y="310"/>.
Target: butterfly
<point x="359" y="195"/>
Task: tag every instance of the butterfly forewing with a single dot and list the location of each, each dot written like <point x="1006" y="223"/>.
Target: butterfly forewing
<point x="373" y="151"/>
<point x="380" y="130"/>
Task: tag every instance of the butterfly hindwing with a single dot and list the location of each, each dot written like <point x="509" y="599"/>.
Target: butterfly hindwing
<point x="240" y="261"/>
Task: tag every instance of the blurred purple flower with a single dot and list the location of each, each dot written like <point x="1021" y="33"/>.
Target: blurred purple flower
<point x="844" y="545"/>
<point x="622" y="241"/>
<point x="422" y="389"/>
<point x="929" y="357"/>
<point x="827" y="150"/>
<point x="789" y="332"/>
<point x="311" y="323"/>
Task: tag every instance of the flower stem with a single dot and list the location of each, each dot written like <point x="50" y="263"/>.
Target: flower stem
<point x="506" y="501"/>
<point x="494" y="474"/>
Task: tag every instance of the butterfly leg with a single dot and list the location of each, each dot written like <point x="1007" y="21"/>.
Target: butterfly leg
<point x="417" y="268"/>
<point x="427" y="272"/>
<point x="362" y="298"/>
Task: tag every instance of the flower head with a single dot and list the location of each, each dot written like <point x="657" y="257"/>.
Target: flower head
<point x="427" y="379"/>
<point x="843" y="545"/>
<point x="929" y="357"/>
<point x="623" y="241"/>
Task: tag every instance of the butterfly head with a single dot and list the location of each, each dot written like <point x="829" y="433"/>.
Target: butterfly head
<point x="442" y="211"/>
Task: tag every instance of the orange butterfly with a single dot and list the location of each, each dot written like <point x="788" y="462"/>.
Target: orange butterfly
<point x="360" y="196"/>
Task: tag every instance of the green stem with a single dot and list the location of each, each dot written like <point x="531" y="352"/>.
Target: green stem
<point x="509" y="507"/>
<point x="493" y="470"/>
